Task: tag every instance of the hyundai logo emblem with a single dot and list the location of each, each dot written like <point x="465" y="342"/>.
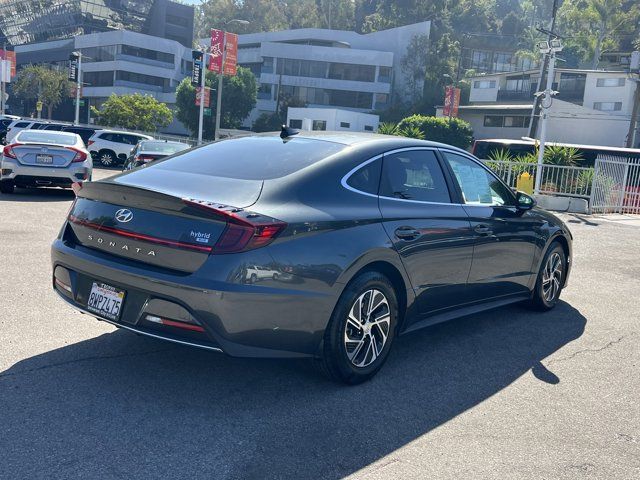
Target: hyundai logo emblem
<point x="124" y="215"/>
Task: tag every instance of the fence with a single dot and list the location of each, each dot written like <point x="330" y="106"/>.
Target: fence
<point x="611" y="186"/>
<point x="556" y="179"/>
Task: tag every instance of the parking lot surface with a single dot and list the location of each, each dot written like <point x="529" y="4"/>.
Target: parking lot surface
<point x="505" y="394"/>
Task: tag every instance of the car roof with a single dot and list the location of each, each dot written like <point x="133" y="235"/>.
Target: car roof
<point x="168" y="142"/>
<point x="124" y="132"/>
<point x="373" y="139"/>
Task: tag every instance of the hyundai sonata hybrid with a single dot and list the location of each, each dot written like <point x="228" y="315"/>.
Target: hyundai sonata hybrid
<point x="364" y="237"/>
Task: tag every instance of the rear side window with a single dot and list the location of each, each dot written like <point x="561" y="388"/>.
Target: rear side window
<point x="251" y="158"/>
<point x="21" y="125"/>
<point x="109" y="137"/>
<point x="367" y="178"/>
<point x="414" y="175"/>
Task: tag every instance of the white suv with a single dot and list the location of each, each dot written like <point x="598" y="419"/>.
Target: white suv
<point x="15" y="127"/>
<point x="110" y="147"/>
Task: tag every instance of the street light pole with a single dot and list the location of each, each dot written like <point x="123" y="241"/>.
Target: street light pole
<point x="203" y="69"/>
<point x="216" y="134"/>
<point x="78" y="88"/>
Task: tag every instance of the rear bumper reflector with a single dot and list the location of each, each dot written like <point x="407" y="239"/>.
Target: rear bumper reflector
<point x="63" y="285"/>
<point x="173" y="323"/>
<point x="139" y="236"/>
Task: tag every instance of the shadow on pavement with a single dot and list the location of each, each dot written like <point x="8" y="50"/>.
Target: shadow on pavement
<point x="38" y="195"/>
<point x="125" y="406"/>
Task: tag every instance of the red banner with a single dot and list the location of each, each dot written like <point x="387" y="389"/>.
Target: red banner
<point x="207" y="97"/>
<point x="217" y="44"/>
<point x="11" y="56"/>
<point x="231" y="53"/>
<point x="451" y="101"/>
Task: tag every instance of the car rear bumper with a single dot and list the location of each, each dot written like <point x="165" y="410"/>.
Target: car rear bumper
<point x="29" y="175"/>
<point x="244" y="320"/>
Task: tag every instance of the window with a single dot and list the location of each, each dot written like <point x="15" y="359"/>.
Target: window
<point x="264" y="92"/>
<point x="146" y="53"/>
<point x="109" y="137"/>
<point x="98" y="79"/>
<point x="345" y="125"/>
<point x="319" y="125"/>
<point x="381" y="99"/>
<point x="414" y="175"/>
<point x="481" y="60"/>
<point x="608" y="106"/>
<point x="484" y="84"/>
<point x="267" y="65"/>
<point x="610" y="82"/>
<point x="367" y="178"/>
<point x="141" y="78"/>
<point x="517" y="121"/>
<point x="368" y="128"/>
<point x="384" y="75"/>
<point x="175" y="20"/>
<point x="347" y="71"/>
<point x="518" y="84"/>
<point x="276" y="158"/>
<point x="478" y="185"/>
<point x="21" y="125"/>
<point x="493" y="120"/>
<point x="502" y="62"/>
<point x="295" y="123"/>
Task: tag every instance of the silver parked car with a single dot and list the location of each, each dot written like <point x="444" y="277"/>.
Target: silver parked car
<point x="41" y="158"/>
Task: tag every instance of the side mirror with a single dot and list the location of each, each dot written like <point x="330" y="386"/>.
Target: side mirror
<point x="524" y="201"/>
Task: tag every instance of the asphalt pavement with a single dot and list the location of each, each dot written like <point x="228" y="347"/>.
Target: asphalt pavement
<point x="508" y="394"/>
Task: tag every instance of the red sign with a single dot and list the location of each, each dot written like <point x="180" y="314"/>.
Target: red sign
<point x="217" y="44"/>
<point x="451" y="101"/>
<point x="11" y="56"/>
<point x="207" y="97"/>
<point x="231" y="53"/>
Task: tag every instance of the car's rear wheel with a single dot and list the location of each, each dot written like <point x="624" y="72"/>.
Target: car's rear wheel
<point x="550" y="279"/>
<point x="360" y="333"/>
<point x="107" y="158"/>
<point x="7" y="186"/>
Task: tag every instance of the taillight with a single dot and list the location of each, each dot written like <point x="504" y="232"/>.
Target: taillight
<point x="244" y="230"/>
<point x="80" y="155"/>
<point x="90" y="142"/>
<point x="8" y="150"/>
<point x="144" y="158"/>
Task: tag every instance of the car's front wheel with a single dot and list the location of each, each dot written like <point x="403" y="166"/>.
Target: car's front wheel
<point x="550" y="279"/>
<point x="7" y="186"/>
<point x="361" y="330"/>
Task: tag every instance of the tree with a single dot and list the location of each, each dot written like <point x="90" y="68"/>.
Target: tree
<point x="39" y="83"/>
<point x="133" y="112"/>
<point x="597" y="25"/>
<point x="270" y="122"/>
<point x="239" y="95"/>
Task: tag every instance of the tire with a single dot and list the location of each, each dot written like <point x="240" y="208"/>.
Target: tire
<point x="550" y="279"/>
<point x="342" y="358"/>
<point x="7" y="186"/>
<point x="254" y="278"/>
<point x="107" y="158"/>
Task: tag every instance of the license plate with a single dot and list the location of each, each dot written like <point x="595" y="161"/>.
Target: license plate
<point x="43" y="158"/>
<point x="105" y="300"/>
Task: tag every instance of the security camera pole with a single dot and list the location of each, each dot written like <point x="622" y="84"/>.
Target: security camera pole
<point x="550" y="49"/>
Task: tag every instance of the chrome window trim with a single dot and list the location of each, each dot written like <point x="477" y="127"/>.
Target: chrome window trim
<point x="377" y="157"/>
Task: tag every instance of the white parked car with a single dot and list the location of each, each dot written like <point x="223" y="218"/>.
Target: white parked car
<point x="42" y="158"/>
<point x="112" y="147"/>
<point x="17" y="126"/>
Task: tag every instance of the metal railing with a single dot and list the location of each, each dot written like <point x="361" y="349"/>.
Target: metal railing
<point x="560" y="180"/>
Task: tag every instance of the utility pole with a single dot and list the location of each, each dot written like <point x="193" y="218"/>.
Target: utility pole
<point x="633" y="121"/>
<point x="549" y="49"/>
<point x="75" y="75"/>
<point x="216" y="133"/>
<point x="535" y="111"/>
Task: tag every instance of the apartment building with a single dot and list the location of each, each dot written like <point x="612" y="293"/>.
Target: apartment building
<point x="592" y="107"/>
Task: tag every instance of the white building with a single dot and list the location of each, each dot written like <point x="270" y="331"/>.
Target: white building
<point x="120" y="62"/>
<point x="328" y="68"/>
<point x="593" y="107"/>
<point x="333" y="119"/>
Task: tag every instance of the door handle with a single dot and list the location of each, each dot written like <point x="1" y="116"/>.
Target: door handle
<point x="407" y="233"/>
<point x="482" y="229"/>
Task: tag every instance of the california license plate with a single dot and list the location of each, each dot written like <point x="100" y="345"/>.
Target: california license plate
<point x="105" y="300"/>
<point x="43" y="158"/>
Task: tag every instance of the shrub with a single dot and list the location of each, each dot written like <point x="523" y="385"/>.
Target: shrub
<point x="388" y="128"/>
<point x="452" y="131"/>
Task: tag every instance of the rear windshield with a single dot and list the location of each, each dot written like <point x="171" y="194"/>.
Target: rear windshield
<point x="251" y="158"/>
<point x="162" y="147"/>
<point x="46" y="137"/>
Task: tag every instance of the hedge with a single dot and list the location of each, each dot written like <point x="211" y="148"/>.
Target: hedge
<point x="452" y="131"/>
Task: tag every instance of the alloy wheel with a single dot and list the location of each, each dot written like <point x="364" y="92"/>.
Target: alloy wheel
<point x="551" y="277"/>
<point x="367" y="328"/>
<point x="106" y="159"/>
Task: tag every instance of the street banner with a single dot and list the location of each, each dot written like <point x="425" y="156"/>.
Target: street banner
<point x="72" y="90"/>
<point x="451" y="101"/>
<point x="217" y="44"/>
<point x="196" y="72"/>
<point x="11" y="57"/>
<point x="73" y="67"/>
<point x="207" y="97"/>
<point x="231" y="53"/>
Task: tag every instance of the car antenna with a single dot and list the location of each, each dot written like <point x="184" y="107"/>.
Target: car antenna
<point x="287" y="132"/>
